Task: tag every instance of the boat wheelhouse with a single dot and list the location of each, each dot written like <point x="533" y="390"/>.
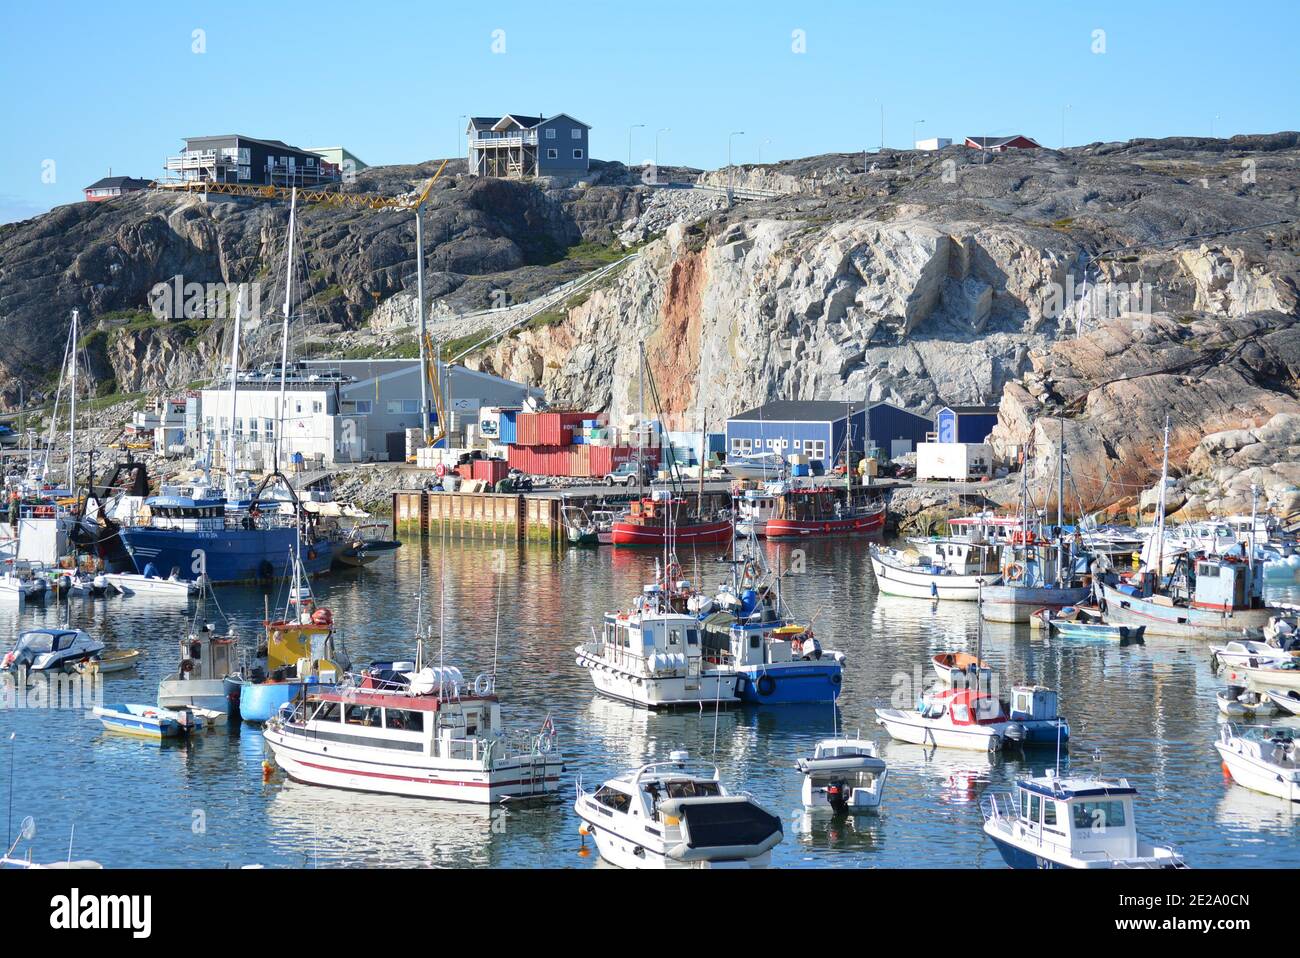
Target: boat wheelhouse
<point x="665" y="815"/>
<point x="1034" y="574"/>
<point x="1075" y="822"/>
<point x="420" y="732"/>
<point x="656" y="657"/>
<point x="1218" y="598"/>
<point x="200" y="678"/>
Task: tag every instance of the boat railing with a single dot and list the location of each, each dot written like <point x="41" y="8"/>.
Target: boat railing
<point x="999" y="807"/>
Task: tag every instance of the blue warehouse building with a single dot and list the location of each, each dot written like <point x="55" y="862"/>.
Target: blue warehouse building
<point x="965" y="423"/>
<point x="816" y="429"/>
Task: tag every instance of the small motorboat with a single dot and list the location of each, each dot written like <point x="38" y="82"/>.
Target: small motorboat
<point x="117" y="660"/>
<point x="1082" y="822"/>
<point x="1288" y="701"/>
<point x="364" y="545"/>
<point x="956" y="668"/>
<point x="1270" y="674"/>
<point x="1086" y="622"/>
<point x="579" y="528"/>
<point x="1270" y="765"/>
<point x="1238" y="702"/>
<point x="172" y="587"/>
<point x="1242" y="651"/>
<point x="51" y="650"/>
<point x="843" y="775"/>
<point x="666" y="816"/>
<point x="147" y="721"/>
<point x="23" y="585"/>
<point x="971" y="719"/>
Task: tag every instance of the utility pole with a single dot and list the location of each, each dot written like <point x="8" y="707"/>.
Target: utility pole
<point x="419" y="295"/>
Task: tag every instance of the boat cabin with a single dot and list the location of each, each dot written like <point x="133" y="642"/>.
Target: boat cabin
<point x="184" y="514"/>
<point x="449" y="726"/>
<point x="657" y="641"/>
<point x="1091" y="818"/>
<point x="1030" y="703"/>
<point x="963" y="707"/>
<point x="205" y="655"/>
<point x="1223" y="585"/>
<point x="957" y="556"/>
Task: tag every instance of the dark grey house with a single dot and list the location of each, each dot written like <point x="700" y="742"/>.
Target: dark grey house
<point x="243" y="159"/>
<point x="515" y="145"/>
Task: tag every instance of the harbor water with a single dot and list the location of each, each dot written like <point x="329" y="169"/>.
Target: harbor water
<point x="1144" y="712"/>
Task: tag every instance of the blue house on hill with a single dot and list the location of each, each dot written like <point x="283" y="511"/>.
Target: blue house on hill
<point x="965" y="423"/>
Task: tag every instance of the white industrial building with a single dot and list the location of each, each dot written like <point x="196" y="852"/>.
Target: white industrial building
<point x="934" y="143"/>
<point x="339" y="411"/>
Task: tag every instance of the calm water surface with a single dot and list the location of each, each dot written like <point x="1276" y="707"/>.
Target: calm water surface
<point x="1144" y="712"/>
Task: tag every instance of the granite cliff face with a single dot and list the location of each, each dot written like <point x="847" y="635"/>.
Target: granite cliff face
<point x="1107" y="285"/>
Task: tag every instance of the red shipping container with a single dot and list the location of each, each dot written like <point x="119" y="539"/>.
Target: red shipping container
<point x="548" y="428"/>
<point x="465" y="471"/>
<point x="491" y="471"/>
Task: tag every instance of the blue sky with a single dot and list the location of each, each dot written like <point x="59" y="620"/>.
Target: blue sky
<point x="91" y="86"/>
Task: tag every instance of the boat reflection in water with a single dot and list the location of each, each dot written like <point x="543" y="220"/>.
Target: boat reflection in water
<point x="337" y="829"/>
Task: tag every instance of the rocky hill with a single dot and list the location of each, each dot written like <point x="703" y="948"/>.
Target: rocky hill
<point x="1104" y="287"/>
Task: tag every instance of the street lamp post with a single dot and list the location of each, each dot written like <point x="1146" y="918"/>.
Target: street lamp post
<point x="731" y="170"/>
<point x="634" y="126"/>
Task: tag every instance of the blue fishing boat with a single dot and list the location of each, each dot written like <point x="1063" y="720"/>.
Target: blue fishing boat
<point x="147" y="721"/>
<point x="1076" y="822"/>
<point x="1084" y="622"/>
<point x="228" y="542"/>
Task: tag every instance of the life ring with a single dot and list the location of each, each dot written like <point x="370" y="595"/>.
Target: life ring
<point x="1014" y="571"/>
<point x="543" y="743"/>
<point x="483" y="684"/>
<point x="187" y="665"/>
<point x="797" y="646"/>
<point x="440" y="470"/>
<point x="766" y="685"/>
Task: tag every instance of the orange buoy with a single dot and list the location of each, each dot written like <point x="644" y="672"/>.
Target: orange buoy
<point x="267" y="771"/>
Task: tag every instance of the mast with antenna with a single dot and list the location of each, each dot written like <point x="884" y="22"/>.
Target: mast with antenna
<point x="284" y="332"/>
<point x="72" y="408"/>
<point x="234" y="393"/>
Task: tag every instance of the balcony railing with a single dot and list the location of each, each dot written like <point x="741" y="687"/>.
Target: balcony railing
<point x="489" y="140"/>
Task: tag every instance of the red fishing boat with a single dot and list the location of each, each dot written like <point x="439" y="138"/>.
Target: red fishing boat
<point x="650" y="522"/>
<point x="803" y="513"/>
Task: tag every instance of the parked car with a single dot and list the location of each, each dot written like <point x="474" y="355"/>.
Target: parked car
<point x="625" y="474"/>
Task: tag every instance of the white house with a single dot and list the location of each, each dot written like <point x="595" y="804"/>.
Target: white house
<point x="342" y="410"/>
<point x="934" y="143"/>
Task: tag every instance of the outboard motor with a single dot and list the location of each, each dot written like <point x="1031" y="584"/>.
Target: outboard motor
<point x="837" y="795"/>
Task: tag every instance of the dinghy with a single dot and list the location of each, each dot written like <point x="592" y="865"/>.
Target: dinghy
<point x="956" y="668"/>
<point x="115" y="661"/>
<point x="1237" y="702"/>
<point x="1086" y="622"/>
<point x="147" y="721"/>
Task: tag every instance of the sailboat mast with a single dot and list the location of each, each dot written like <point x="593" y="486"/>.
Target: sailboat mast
<point x="72" y="408"/>
<point x="640" y="421"/>
<point x="234" y="393"/>
<point x="284" y="331"/>
<point x="1060" y="505"/>
<point x="1160" y="506"/>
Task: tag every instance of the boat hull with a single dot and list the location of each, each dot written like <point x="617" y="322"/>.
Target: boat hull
<point x="912" y="728"/>
<point x="368" y="769"/>
<point x="1108" y="633"/>
<point x="1258" y="776"/>
<point x="789" y="683"/>
<point x="1016" y="603"/>
<point x="1181" y="621"/>
<point x="865" y="525"/>
<point x="896" y="580"/>
<point x="229" y="556"/>
<point x="702" y="533"/>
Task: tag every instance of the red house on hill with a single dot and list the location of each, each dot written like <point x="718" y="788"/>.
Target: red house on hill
<point x="111" y="186"/>
<point x="1000" y="144"/>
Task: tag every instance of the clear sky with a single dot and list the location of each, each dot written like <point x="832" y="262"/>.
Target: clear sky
<point x="93" y="86"/>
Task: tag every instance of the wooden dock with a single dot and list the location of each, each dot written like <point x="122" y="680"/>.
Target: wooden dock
<point x="504" y="516"/>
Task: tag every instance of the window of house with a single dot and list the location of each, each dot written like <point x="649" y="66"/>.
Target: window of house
<point x="410" y="405"/>
<point x="577" y="154"/>
<point x="268" y="427"/>
<point x="394" y="407"/>
<point x="364" y="406"/>
<point x="316" y="406"/>
<point x="575" y="134"/>
<point x="552" y="153"/>
<point x="550" y="134"/>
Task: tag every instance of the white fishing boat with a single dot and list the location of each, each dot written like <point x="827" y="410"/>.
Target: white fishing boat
<point x="422" y="732"/>
<point x="665" y="815"/>
<point x="758" y="466"/>
<point x="1237" y="702"/>
<point x="200" y="678"/>
<point x="951" y="570"/>
<point x="843" y="775"/>
<point x="51" y="650"/>
<point x="1243" y="651"/>
<point x="1265" y="675"/>
<point x="1270" y="765"/>
<point x="1074" y="822"/>
<point x="654" y="657"/>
